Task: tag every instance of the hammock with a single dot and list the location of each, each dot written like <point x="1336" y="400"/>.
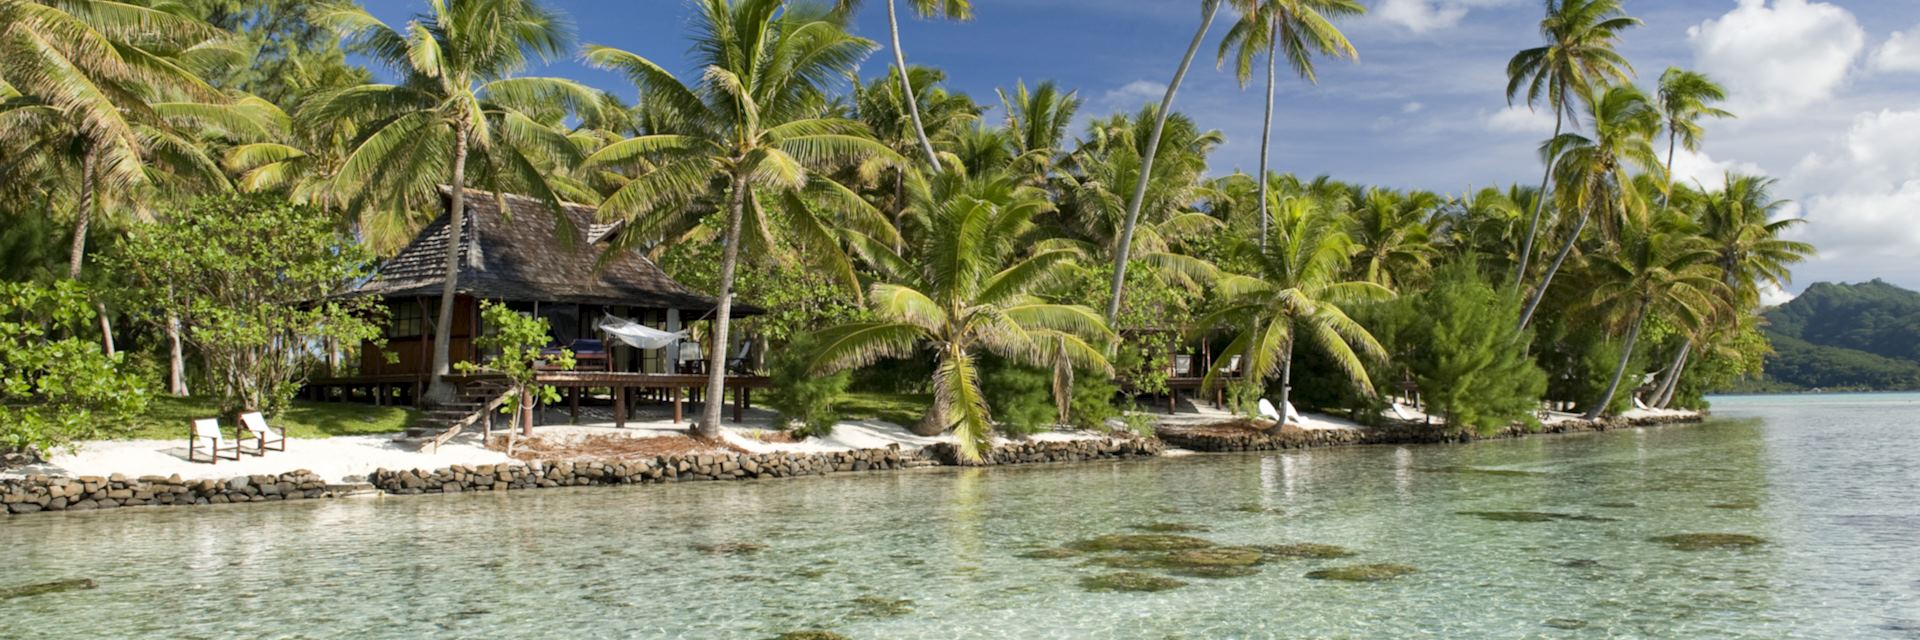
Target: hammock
<point x="638" y="335"/>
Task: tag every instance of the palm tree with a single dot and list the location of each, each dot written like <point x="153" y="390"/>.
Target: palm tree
<point x="1684" y="98"/>
<point x="1594" y="175"/>
<point x="457" y="104"/>
<point x="1299" y="29"/>
<point x="752" y="134"/>
<point x="1392" y="235"/>
<point x="1576" y="60"/>
<point x="1208" y="9"/>
<point x="1737" y="221"/>
<point x="969" y="292"/>
<point x="961" y="10"/>
<point x="1660" y="266"/>
<point x="90" y="72"/>
<point x="1297" y="291"/>
<point x="881" y="105"/>
<point x="1038" y="120"/>
<point x="1107" y="163"/>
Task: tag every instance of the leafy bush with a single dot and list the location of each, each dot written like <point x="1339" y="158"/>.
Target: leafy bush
<point x="54" y="392"/>
<point x="801" y="396"/>
<point x="253" y="281"/>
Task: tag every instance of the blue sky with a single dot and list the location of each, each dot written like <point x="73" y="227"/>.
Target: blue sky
<point x="1828" y="92"/>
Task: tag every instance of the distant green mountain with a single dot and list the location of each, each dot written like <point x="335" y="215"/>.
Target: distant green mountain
<point x="1847" y="336"/>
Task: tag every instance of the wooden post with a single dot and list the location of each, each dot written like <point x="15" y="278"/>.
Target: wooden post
<point x="738" y="405"/>
<point x="676" y="404"/>
<point x="619" y="407"/>
<point x="573" y="405"/>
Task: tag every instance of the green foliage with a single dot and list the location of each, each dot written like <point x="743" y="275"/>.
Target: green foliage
<point x="1456" y="340"/>
<point x="796" y="300"/>
<point x="1847" y="336"/>
<point x="1020" y="397"/>
<point x="1092" y="404"/>
<point x="801" y="396"/>
<point x="516" y="339"/>
<point x="254" y="282"/>
<point x="56" y="389"/>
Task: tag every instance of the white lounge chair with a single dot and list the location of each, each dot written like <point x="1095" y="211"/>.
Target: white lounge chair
<point x="1268" y="411"/>
<point x="206" y="437"/>
<point x="1400" y="411"/>
<point x="253" y="426"/>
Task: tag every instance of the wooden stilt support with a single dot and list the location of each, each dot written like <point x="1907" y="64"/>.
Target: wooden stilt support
<point x="620" y="407"/>
<point x="677" y="405"/>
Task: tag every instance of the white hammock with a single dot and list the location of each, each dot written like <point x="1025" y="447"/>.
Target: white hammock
<point x="638" y="335"/>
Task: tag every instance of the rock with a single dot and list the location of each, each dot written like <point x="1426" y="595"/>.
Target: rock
<point x="810" y="635"/>
<point x="1566" y="623"/>
<point x="1706" y="541"/>
<point x="1363" y="572"/>
<point x="730" y="548"/>
<point x="1215" y="557"/>
<point x="7" y="593"/>
<point x="1130" y="581"/>
<point x="237" y="483"/>
<point x="1533" y="516"/>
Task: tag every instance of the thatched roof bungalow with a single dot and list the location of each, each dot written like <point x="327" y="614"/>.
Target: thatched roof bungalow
<point x="516" y="255"/>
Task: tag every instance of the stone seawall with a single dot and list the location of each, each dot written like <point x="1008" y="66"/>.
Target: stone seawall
<point x="58" y="493"/>
<point x="85" y="493"/>
<point x="1223" y="439"/>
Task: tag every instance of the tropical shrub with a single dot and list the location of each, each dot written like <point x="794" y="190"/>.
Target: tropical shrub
<point x="55" y="391"/>
<point x="516" y="340"/>
<point x="1458" y="340"/>
<point x="1019" y="397"/>
<point x="799" y="396"/>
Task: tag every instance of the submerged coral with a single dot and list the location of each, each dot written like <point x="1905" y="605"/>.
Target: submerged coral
<point x="1139" y="542"/>
<point x="1129" y="581"/>
<point x="1305" y="550"/>
<point x="1363" y="572"/>
<point x="1705" y="541"/>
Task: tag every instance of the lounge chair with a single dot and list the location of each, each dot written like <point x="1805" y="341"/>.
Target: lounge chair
<point x="253" y="426"/>
<point x="206" y="437"/>
<point x="738" y="363"/>
<point x="1268" y="411"/>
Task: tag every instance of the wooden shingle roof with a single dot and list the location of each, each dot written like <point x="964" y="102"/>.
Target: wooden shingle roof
<point x="516" y="254"/>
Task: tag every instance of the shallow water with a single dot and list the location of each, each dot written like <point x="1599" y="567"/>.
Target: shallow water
<point x="1832" y="483"/>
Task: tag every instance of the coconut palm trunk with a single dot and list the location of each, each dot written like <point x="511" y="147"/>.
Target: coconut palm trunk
<point x="1540" y="293"/>
<point x="1626" y="357"/>
<point x="1663" y="394"/>
<point x="906" y="90"/>
<point x="1672" y="377"/>
<point x="1266" y="135"/>
<point x="83" y="218"/>
<point x="709" y="425"/>
<point x="1286" y="383"/>
<point x="1539" y="205"/>
<point x="439" y="391"/>
<point x="1146" y="162"/>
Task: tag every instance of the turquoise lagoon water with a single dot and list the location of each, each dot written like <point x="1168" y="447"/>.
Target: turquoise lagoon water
<point x="1831" y="482"/>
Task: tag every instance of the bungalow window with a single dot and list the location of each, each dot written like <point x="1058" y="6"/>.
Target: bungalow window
<point x="406" y="319"/>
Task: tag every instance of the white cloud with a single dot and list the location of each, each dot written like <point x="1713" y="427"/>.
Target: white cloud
<point x="1421" y="16"/>
<point x="1518" y="119"/>
<point x="1132" y="95"/>
<point x="1412" y="107"/>
<point x="1865" y="196"/>
<point x="1778" y="59"/>
<point x="1697" y="168"/>
<point x="1899" y="53"/>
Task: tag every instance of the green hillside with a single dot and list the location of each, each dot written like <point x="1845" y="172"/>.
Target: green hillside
<point x="1846" y="336"/>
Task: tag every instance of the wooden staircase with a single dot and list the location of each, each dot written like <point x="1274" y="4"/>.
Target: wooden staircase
<point x="478" y="400"/>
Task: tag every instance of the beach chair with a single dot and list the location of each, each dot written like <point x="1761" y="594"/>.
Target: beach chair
<point x="738" y="363"/>
<point x="206" y="437"/>
<point x="253" y="426"/>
